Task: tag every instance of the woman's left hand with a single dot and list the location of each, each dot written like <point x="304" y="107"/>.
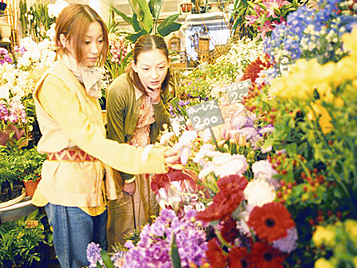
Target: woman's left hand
<point x="154" y="94"/>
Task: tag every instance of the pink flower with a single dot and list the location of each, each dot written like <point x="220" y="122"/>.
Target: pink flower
<point x="272" y="4"/>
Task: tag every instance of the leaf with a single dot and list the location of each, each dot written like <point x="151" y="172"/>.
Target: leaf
<point x="136" y="24"/>
<point x="121" y="14"/>
<point x="173" y="27"/>
<point x="106" y="259"/>
<point x="175" y="256"/>
<point x="262" y="6"/>
<point x="141" y="9"/>
<point x="251" y="4"/>
<point x="291" y="149"/>
<point x="168" y="21"/>
<point x="155" y="8"/>
<point x="133" y="37"/>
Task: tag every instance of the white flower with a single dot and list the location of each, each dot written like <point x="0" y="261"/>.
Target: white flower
<point x="204" y="151"/>
<point x="4" y="92"/>
<point x="56" y="8"/>
<point x="259" y="192"/>
<point x="166" y="138"/>
<point x="263" y="169"/>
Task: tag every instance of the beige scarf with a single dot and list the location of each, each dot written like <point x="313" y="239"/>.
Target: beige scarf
<point x="90" y="77"/>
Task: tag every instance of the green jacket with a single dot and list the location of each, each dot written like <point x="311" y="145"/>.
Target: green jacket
<point x="123" y="112"/>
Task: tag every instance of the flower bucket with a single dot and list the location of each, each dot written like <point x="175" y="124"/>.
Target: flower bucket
<point x="2" y="6"/>
<point x="31" y="186"/>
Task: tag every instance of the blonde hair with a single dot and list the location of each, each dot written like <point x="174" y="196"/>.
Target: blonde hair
<point x="73" y="22"/>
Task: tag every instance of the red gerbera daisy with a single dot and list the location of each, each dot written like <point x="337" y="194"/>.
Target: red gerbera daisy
<point x="215" y="254"/>
<point x="265" y="256"/>
<point x="238" y="258"/>
<point x="271" y="221"/>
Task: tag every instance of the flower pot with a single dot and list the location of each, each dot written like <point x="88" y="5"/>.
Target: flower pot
<point x="5" y="31"/>
<point x="186" y="7"/>
<point x="31" y="186"/>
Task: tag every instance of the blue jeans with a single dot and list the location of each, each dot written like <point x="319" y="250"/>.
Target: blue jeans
<point x="73" y="230"/>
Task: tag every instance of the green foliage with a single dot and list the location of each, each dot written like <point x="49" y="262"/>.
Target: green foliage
<point x="146" y="17"/>
<point x="35" y="20"/>
<point x="175" y="256"/>
<point x="20" y="164"/>
<point x="21" y="240"/>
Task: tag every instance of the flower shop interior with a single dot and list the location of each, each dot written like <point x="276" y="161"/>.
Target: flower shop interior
<point x="263" y="114"/>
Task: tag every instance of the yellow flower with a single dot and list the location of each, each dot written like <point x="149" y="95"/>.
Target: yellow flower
<point x="351" y="229"/>
<point x="345" y="69"/>
<point x="325" y="118"/>
<point x="350" y="42"/>
<point x="354" y="260"/>
<point x="299" y="82"/>
<point x="324" y="235"/>
<point x="323" y="263"/>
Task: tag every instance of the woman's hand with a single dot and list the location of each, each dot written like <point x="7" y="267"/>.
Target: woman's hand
<point x="129" y="188"/>
<point x="172" y="156"/>
<point x="154" y="94"/>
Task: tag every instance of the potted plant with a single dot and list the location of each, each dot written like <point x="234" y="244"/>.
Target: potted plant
<point x="10" y="182"/>
<point x="29" y="166"/>
<point x="23" y="241"/>
<point x="19" y="166"/>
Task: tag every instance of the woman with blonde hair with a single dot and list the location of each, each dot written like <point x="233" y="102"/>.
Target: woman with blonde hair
<point x="72" y="188"/>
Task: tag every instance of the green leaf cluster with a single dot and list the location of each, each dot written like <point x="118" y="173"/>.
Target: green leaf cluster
<point x="145" y="19"/>
<point x="21" y="242"/>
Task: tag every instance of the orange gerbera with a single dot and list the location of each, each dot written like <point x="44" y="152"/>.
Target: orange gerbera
<point x="271" y="221"/>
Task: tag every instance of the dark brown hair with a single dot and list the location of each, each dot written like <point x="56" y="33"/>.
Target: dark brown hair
<point x="143" y="44"/>
<point x="73" y="22"/>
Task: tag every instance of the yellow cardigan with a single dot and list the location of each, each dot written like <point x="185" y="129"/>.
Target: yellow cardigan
<point x="69" y="118"/>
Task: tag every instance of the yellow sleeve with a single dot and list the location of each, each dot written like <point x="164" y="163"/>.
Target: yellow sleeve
<point x="63" y="106"/>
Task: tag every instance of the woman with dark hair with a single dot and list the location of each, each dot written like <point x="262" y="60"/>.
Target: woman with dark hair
<point x="72" y="188"/>
<point x="136" y="111"/>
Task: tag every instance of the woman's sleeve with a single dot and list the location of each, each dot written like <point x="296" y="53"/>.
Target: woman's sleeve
<point x="161" y="110"/>
<point x="116" y="111"/>
<point x="63" y="106"/>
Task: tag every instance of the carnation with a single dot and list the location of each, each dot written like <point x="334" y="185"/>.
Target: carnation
<point x="259" y="192"/>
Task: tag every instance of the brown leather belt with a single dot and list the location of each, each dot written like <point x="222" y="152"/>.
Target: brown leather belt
<point x="71" y="155"/>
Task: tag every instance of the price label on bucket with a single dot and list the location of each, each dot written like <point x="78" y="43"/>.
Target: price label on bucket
<point x="238" y="90"/>
<point x="205" y="115"/>
<point x="178" y="124"/>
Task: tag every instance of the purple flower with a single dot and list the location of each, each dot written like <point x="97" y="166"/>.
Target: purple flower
<point x="93" y="254"/>
<point x="289" y="243"/>
<point x="155" y="251"/>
